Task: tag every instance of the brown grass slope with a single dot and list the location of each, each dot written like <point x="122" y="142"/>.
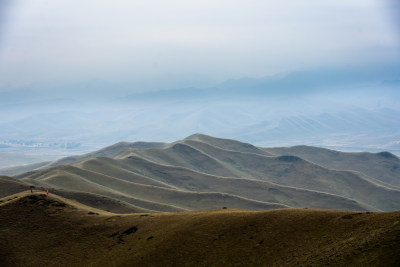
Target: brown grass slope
<point x="47" y="231"/>
<point x="99" y="202"/>
<point x="383" y="166"/>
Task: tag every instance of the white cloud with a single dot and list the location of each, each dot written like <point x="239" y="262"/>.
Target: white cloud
<point x="133" y="40"/>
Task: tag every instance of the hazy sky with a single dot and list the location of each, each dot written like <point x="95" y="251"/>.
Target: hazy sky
<point x="156" y="44"/>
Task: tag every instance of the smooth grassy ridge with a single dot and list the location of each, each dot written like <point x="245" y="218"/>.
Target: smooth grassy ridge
<point x="188" y="190"/>
<point x="203" y="172"/>
<point x="39" y="230"/>
<point x="384" y="166"/>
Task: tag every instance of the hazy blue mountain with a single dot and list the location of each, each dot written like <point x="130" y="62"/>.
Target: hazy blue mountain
<point x="341" y="109"/>
<point x="293" y="84"/>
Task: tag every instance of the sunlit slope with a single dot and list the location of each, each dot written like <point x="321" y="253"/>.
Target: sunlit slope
<point x="39" y="230"/>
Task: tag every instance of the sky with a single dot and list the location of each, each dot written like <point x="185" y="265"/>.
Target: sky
<point x="138" y="46"/>
<point x="276" y="72"/>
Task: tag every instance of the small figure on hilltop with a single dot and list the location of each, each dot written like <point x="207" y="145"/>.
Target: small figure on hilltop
<point x="47" y="192"/>
<point x="31" y="187"/>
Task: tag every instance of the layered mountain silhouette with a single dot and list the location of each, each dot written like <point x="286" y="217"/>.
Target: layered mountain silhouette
<point x="204" y="172"/>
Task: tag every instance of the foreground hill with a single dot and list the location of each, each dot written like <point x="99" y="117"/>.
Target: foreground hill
<point x="47" y="231"/>
<point x="204" y="172"/>
<point x="9" y="186"/>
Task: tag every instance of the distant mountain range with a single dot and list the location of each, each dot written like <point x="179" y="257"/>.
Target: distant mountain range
<point x="290" y="85"/>
<point x="204" y="172"/>
<point x="344" y="109"/>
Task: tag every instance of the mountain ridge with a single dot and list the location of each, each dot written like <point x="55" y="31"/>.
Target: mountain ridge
<point x="204" y="172"/>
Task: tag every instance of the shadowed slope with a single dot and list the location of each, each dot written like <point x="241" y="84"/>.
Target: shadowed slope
<point x="383" y="166"/>
<point x="283" y="170"/>
<point x="227" y="144"/>
<point x="149" y="175"/>
<point x="72" y="235"/>
<point x="73" y="178"/>
<point x="99" y="202"/>
<point x="103" y="176"/>
<point x="10" y="186"/>
<point x="186" y="179"/>
<point x="180" y="154"/>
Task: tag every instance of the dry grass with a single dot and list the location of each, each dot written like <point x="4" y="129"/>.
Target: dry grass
<point x="37" y="231"/>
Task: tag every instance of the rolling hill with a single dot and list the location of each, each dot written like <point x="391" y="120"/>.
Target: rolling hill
<point x="383" y="166"/>
<point x="204" y="172"/>
<point x="9" y="186"/>
<point x="50" y="230"/>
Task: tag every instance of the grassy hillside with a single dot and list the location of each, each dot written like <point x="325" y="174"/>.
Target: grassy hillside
<point x="189" y="180"/>
<point x="22" y="169"/>
<point x="9" y="186"/>
<point x="283" y="170"/>
<point x="99" y="201"/>
<point x="73" y="178"/>
<point x="203" y="172"/>
<point x="110" y="151"/>
<point x="39" y="230"/>
<point x="382" y="166"/>
<point x="183" y="155"/>
<point x="227" y="144"/>
<point x="107" y="176"/>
